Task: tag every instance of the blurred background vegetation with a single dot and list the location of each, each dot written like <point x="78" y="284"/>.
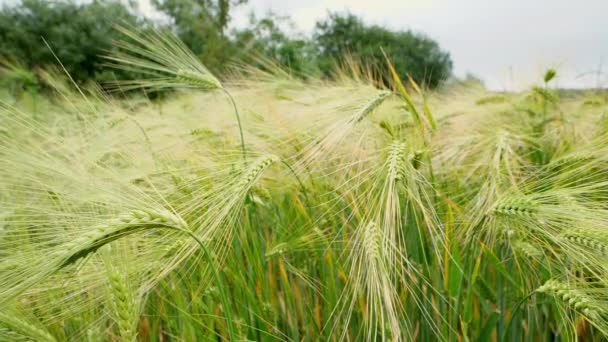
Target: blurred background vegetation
<point x="38" y="34"/>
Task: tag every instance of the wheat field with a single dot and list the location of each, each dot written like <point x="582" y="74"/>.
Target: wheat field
<point x="258" y="206"/>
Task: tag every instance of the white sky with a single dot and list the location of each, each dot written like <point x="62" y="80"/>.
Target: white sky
<point x="508" y="43"/>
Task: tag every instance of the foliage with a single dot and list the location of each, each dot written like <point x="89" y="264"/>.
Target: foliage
<point x="201" y="25"/>
<point x="265" y="42"/>
<point x="188" y="15"/>
<point x="79" y="32"/>
<point x="17" y="77"/>
<point x="413" y="54"/>
<point x="76" y="32"/>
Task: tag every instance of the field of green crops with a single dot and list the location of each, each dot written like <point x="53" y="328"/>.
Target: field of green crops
<point x="257" y="206"/>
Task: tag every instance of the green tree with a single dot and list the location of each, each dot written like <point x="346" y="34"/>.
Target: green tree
<point x="202" y="25"/>
<point x="413" y="54"/>
<point x="264" y="37"/>
<point x="76" y="32"/>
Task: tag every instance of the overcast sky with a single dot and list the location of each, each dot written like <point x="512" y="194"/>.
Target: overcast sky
<point x="508" y="43"/>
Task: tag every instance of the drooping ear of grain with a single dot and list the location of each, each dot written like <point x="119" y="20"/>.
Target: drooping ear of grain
<point x="12" y="328"/>
<point x="249" y="177"/>
<point x="516" y="207"/>
<point x="574" y="297"/>
<point x="133" y="222"/>
<point x="369" y="107"/>
<point x="588" y="239"/>
<point x="375" y="282"/>
<point x="99" y="236"/>
<point x="197" y="79"/>
<point x="164" y="58"/>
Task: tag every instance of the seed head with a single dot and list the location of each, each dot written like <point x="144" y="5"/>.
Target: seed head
<point x="517" y="206"/>
<point x="256" y="170"/>
<point x="200" y="80"/>
<point x="396" y="158"/>
<point x="573" y="297"/>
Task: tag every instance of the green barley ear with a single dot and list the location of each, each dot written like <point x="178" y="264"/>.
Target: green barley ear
<point x="376" y="282"/>
<point x="396" y="158"/>
<point x="162" y="58"/>
<point x="372" y="243"/>
<point x="97" y="237"/>
<point x="197" y="79"/>
<point x="574" y="297"/>
<point x="123" y="302"/>
<point x="549" y="75"/>
<point x="13" y="328"/>
<point x="385" y="125"/>
<point x="133" y="222"/>
<point x="167" y="63"/>
<point x="590" y="239"/>
<point x="369" y="107"/>
<point x="515" y="207"/>
<point x="253" y="172"/>
<point x="526" y="249"/>
<point x="545" y="94"/>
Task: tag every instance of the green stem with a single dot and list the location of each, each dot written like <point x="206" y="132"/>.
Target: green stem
<point x="219" y="282"/>
<point x="148" y="142"/>
<point x="302" y="187"/>
<point x="238" y="120"/>
<point x="515" y="310"/>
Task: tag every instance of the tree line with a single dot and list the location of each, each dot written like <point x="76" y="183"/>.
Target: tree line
<point x="39" y="33"/>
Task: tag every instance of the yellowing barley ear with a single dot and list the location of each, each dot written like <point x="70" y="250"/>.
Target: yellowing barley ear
<point x="376" y="281"/>
<point x="163" y="58"/>
<point x="372" y="242"/>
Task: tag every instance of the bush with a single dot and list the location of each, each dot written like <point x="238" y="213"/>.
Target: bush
<point x="413" y="54"/>
<point x="77" y="33"/>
